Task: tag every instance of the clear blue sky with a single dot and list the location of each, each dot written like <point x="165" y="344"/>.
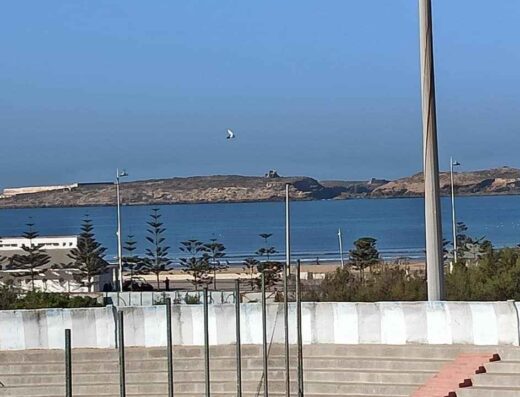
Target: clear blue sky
<point x="326" y="89"/>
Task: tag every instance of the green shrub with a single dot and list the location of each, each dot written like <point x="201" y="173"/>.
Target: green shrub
<point x="11" y="300"/>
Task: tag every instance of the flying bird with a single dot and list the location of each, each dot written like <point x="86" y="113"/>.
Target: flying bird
<point x="230" y="134"/>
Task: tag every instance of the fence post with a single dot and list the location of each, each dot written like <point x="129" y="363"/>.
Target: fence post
<point x="264" y="339"/>
<point x="68" y="364"/>
<point x="299" y="330"/>
<point x="169" y="345"/>
<point x="121" y="335"/>
<point x="238" y="338"/>
<point x="206" y="343"/>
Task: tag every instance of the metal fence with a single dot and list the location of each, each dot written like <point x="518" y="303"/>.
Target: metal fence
<point x="167" y="299"/>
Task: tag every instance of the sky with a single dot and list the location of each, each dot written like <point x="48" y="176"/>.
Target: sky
<point x="325" y="89"/>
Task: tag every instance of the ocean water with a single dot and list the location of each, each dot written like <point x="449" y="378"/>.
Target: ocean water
<point x="397" y="224"/>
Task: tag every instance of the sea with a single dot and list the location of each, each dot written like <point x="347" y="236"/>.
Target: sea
<point x="397" y="224"/>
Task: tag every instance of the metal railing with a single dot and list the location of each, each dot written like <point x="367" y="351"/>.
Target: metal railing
<point x="207" y="358"/>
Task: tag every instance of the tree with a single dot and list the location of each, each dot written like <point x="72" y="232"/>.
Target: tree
<point x="266" y="250"/>
<point x="34" y="258"/>
<point x="132" y="262"/>
<point x="250" y="266"/>
<point x="470" y="250"/>
<point x="364" y="254"/>
<point x="271" y="269"/>
<point x="88" y="257"/>
<point x="196" y="262"/>
<point x="157" y="260"/>
<point x="214" y="252"/>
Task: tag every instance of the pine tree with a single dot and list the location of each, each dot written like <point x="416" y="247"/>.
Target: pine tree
<point x="34" y="257"/>
<point x="250" y="265"/>
<point x="157" y="260"/>
<point x="88" y="257"/>
<point x="271" y="269"/>
<point x="364" y="254"/>
<point x="196" y="262"/>
<point x="215" y="251"/>
<point x="131" y="262"/>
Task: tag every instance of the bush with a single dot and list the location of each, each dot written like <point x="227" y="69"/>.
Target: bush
<point x="389" y="284"/>
<point x="7" y="298"/>
<point x="494" y="277"/>
<point x="10" y="300"/>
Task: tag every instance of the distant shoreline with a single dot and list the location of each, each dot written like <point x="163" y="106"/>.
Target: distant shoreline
<point x="220" y="189"/>
<point x="21" y="207"/>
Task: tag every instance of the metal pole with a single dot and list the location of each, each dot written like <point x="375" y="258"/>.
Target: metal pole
<point x="238" y="338"/>
<point x="264" y="339"/>
<point x="299" y="330"/>
<point x="340" y="239"/>
<point x="453" y="217"/>
<point x="206" y="343"/>
<point x="432" y="206"/>
<point x="286" y="290"/>
<point x="119" y="245"/>
<point x="68" y="364"/>
<point x="122" y="375"/>
<point x="169" y="345"/>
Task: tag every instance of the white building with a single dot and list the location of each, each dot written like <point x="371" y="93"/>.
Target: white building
<point x="52" y="279"/>
<point x="47" y="242"/>
<point x="15" y="191"/>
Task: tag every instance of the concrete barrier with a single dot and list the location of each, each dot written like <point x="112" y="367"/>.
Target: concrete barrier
<point x="44" y="329"/>
<point x="475" y="323"/>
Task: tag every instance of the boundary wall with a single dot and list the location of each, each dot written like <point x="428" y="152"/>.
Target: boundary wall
<point x="395" y="323"/>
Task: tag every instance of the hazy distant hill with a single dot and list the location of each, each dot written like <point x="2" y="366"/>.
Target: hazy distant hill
<point x="234" y="188"/>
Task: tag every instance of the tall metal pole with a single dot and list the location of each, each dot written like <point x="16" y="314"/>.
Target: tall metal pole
<point x="121" y="340"/>
<point x="286" y="290"/>
<point x="238" y="338"/>
<point x="432" y="205"/>
<point x="340" y="239"/>
<point x="68" y="364"/>
<point x="264" y="340"/>
<point x="299" y="330"/>
<point x="206" y="343"/>
<point x="119" y="245"/>
<point x="453" y="216"/>
<point x="169" y="343"/>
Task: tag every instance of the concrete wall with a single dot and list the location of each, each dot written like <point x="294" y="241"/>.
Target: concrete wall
<point x="494" y="323"/>
<point x="44" y="329"/>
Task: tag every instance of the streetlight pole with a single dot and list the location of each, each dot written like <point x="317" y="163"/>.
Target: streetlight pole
<point x="340" y="240"/>
<point x="432" y="205"/>
<point x="453" y="217"/>
<point x="119" y="174"/>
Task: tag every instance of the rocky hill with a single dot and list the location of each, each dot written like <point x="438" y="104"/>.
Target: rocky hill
<point x="234" y="188"/>
<point x="503" y="180"/>
<point x="199" y="189"/>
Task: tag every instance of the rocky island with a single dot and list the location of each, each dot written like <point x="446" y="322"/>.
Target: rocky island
<point x="235" y="188"/>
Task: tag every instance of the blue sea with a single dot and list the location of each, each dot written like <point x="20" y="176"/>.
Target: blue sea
<point x="397" y="224"/>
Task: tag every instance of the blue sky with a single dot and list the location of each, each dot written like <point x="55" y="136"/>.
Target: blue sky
<point x="326" y="89"/>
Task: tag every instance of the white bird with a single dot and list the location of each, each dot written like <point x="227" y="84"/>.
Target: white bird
<point x="231" y="134"/>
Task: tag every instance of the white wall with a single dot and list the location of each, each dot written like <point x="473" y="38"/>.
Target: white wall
<point x="493" y="323"/>
<point x="44" y="329"/>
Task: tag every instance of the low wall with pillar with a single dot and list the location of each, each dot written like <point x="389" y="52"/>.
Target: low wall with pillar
<point x="475" y="323"/>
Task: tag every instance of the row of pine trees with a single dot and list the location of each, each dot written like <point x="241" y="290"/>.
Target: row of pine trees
<point x="201" y="260"/>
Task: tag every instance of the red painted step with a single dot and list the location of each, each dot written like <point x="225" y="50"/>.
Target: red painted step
<point x="455" y="374"/>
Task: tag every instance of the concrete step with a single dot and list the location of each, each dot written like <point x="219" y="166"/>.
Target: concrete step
<point x="488" y="392"/>
<point x="497" y="380"/>
<point x="503" y="367"/>
<point x="509" y="353"/>
<point x="329" y="375"/>
<point x="197" y="388"/>
<point x="159" y="364"/>
<point x="388" y="351"/>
